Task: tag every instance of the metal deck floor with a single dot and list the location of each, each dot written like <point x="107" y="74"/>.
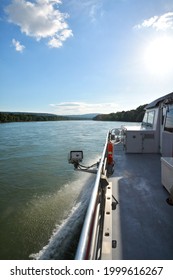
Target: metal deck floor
<point x="142" y="221"/>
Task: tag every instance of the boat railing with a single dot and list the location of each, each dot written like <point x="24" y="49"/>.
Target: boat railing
<point x="90" y="243"/>
<point x="88" y="247"/>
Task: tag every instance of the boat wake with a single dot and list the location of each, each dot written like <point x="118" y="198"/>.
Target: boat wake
<point x="63" y="242"/>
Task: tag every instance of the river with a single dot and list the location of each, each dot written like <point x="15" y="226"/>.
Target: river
<point x="42" y="199"/>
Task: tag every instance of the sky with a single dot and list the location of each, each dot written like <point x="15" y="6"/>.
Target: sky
<point x="84" y="56"/>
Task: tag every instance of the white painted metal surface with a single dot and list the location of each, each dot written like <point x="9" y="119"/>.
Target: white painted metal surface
<point x="167" y="172"/>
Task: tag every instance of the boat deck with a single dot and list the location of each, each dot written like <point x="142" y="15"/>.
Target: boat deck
<point x="142" y="221"/>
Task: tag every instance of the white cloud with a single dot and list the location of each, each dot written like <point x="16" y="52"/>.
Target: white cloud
<point x="54" y="43"/>
<point x="163" y="22"/>
<point x="69" y="108"/>
<point x="148" y="22"/>
<point x="18" y="46"/>
<point x="57" y="40"/>
<point x="40" y="19"/>
<point x="93" y="9"/>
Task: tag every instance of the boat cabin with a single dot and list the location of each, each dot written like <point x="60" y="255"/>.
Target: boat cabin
<point x="155" y="135"/>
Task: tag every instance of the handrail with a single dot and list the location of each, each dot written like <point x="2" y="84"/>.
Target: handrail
<point x="84" y="238"/>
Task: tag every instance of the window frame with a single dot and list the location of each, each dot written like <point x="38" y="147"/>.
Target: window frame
<point x="147" y="117"/>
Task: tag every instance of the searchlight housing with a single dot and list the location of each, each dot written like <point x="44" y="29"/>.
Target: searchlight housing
<point x="75" y="157"/>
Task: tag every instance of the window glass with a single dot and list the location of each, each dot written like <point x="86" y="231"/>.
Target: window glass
<point x="145" y="118"/>
<point x="169" y="120"/>
<point x="148" y="119"/>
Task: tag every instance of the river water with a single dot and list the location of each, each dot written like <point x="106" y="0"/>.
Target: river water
<point x="42" y="199"/>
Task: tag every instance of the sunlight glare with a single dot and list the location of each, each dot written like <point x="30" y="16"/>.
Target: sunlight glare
<point x="158" y="57"/>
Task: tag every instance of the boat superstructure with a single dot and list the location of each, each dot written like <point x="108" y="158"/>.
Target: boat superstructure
<point x="130" y="215"/>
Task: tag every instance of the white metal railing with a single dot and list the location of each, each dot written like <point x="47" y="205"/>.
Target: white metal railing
<point x="84" y="250"/>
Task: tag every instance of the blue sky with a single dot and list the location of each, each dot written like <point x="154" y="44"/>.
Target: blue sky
<point x="84" y="56"/>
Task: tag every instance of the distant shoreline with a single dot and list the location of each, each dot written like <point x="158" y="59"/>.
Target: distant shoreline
<point x="135" y="115"/>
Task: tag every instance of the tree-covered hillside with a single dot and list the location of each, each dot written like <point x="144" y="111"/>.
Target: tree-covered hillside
<point x="135" y="115"/>
<point x="28" y="117"/>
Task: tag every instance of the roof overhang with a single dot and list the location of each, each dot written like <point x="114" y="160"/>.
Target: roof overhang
<point x="166" y="98"/>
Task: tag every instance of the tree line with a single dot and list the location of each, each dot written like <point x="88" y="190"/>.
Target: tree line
<point x="28" y="117"/>
<point x="135" y="115"/>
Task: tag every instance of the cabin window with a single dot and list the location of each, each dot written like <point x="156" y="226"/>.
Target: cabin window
<point x="169" y="119"/>
<point x="148" y="119"/>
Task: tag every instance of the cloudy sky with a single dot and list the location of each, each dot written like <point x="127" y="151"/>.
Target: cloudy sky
<point x="84" y="56"/>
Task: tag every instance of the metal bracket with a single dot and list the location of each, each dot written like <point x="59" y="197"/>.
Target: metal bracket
<point x="104" y="181"/>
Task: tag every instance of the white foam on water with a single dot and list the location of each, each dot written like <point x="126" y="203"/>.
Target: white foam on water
<point x="63" y="236"/>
